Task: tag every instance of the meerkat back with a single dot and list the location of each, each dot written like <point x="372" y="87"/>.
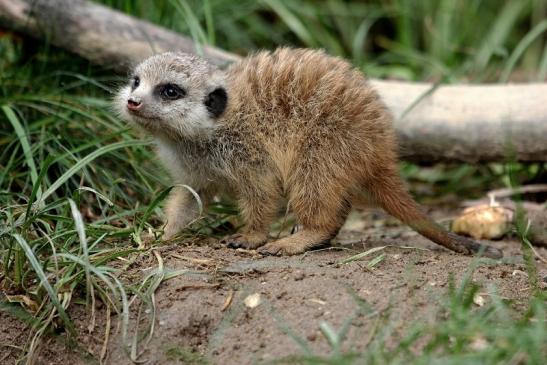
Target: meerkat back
<point x="332" y="144"/>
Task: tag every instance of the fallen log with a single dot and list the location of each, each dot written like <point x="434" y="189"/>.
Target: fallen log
<point x="470" y="123"/>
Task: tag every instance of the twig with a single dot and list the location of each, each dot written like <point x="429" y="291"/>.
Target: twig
<point x="507" y="192"/>
<point x="106" y="335"/>
<point x="192" y="259"/>
<point x="228" y="301"/>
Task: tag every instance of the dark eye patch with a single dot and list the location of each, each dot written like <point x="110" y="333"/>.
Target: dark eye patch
<point x="170" y="91"/>
<point x="216" y="102"/>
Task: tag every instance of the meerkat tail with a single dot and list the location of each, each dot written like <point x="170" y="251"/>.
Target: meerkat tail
<point x="395" y="200"/>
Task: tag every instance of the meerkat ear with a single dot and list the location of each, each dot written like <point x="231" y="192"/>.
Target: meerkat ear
<point x="216" y="102"/>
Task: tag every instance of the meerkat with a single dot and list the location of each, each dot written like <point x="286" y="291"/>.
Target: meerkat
<point x="294" y="125"/>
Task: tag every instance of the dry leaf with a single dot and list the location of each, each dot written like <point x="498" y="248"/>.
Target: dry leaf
<point x="30" y="304"/>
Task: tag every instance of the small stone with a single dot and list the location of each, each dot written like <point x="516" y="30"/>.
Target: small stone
<point x="478" y="300"/>
<point x="252" y="300"/>
<point x="312" y="336"/>
<point x="299" y="275"/>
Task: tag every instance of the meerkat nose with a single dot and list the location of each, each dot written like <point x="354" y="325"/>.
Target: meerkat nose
<point x="133" y="104"/>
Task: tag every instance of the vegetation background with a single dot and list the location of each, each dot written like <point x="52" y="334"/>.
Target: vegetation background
<point x="78" y="189"/>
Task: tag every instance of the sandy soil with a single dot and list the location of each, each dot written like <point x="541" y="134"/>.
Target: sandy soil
<point x="202" y="319"/>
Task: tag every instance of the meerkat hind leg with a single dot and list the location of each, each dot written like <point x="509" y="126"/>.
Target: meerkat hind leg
<point x="321" y="218"/>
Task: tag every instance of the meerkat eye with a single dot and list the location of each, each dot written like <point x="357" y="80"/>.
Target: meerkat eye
<point x="171" y="92"/>
<point x="136" y="82"/>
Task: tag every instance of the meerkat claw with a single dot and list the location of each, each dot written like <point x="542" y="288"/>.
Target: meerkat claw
<point x="231" y="241"/>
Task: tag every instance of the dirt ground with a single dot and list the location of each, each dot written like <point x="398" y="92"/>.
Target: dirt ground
<point x="202" y="317"/>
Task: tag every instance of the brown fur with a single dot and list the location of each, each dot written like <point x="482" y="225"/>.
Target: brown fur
<point x="306" y="127"/>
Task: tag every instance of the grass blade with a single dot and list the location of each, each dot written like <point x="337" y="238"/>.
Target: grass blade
<point x="153" y="205"/>
<point x="104" y="275"/>
<point x="23" y="138"/>
<point x="361" y="255"/>
<point x="44" y="282"/>
<point x="80" y="228"/>
<point x="292" y="21"/>
<point x="521" y="47"/>
<point x="499" y="32"/>
<point x="86" y="160"/>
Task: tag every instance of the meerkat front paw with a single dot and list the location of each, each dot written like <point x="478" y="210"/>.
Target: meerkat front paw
<point x="176" y="223"/>
<point x="170" y="231"/>
<point x="248" y="241"/>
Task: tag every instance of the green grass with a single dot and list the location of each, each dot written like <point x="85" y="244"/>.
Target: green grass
<point x="460" y="333"/>
<point x="78" y="189"/>
<point x="418" y="39"/>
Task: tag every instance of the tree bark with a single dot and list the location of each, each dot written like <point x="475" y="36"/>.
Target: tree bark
<point x="470" y="123"/>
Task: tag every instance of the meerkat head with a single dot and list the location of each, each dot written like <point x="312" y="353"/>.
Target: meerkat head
<point x="174" y="95"/>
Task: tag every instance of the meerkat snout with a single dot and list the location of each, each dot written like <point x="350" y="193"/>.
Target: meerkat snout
<point x="133" y="104"/>
<point x="174" y="95"/>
